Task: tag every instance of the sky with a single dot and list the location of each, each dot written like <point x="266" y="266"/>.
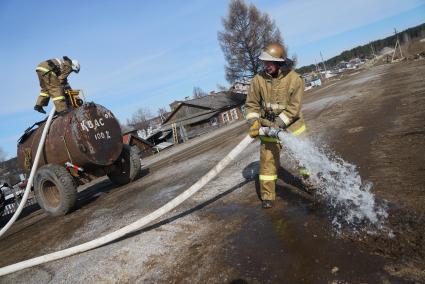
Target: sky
<point x="146" y="54"/>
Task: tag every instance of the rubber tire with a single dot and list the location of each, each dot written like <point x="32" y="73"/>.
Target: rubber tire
<point x="127" y="167"/>
<point x="65" y="190"/>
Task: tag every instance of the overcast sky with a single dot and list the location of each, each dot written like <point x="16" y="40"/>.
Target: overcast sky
<point x="148" y="53"/>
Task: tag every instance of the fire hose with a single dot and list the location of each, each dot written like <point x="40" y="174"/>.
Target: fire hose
<point x="31" y="177"/>
<point x="135" y="225"/>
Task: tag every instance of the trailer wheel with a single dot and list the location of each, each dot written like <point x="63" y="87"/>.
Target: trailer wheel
<point x="127" y="167"/>
<point x="55" y="189"/>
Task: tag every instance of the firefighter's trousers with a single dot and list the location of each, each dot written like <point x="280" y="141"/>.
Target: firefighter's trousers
<point x="51" y="87"/>
<point x="269" y="165"/>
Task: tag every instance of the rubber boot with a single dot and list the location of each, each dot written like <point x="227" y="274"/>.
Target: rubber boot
<point x="307" y="183"/>
<point x="267" y="204"/>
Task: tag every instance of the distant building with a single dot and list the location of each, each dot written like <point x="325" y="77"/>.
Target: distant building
<point x="133" y="139"/>
<point x="10" y="172"/>
<point x="356" y="62"/>
<point x="240" y="87"/>
<point x="327" y="74"/>
<point x="344" y="65"/>
<point x="311" y="80"/>
<point x="174" y="105"/>
<point x="197" y="116"/>
<point x="154" y="126"/>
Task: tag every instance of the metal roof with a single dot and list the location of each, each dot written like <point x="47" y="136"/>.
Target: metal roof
<point x="190" y="120"/>
<point x="140" y="139"/>
<point x="162" y="146"/>
<point x="217" y="101"/>
<point x="211" y="103"/>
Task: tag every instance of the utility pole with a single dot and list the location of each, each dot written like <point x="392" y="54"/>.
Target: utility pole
<point x="373" y="50"/>
<point x="397" y="44"/>
<point x="323" y="62"/>
<point x="317" y="68"/>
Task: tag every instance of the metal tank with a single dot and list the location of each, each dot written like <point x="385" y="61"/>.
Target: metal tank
<point x="82" y="144"/>
<point x="87" y="137"/>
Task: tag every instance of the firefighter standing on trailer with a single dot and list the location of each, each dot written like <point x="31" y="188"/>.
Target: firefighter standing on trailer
<point x="274" y="100"/>
<point x="53" y="76"/>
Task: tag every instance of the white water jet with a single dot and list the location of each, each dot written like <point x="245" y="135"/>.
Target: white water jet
<point x="338" y="182"/>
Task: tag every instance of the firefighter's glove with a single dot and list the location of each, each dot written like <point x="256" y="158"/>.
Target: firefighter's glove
<point x="280" y="124"/>
<point x="254" y="129"/>
<point x="265" y="122"/>
<point x="39" y="109"/>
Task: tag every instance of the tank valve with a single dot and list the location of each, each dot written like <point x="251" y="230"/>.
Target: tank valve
<point x="73" y="169"/>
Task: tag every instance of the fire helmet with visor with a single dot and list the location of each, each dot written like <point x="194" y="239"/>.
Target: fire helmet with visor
<point x="273" y="52"/>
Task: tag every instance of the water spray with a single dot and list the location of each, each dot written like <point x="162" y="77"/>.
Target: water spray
<point x="337" y="181"/>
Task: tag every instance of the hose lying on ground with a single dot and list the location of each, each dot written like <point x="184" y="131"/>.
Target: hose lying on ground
<point x="31" y="177"/>
<point x="135" y="225"/>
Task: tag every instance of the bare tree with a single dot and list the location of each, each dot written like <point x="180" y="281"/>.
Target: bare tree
<point x="140" y="119"/>
<point x="125" y="128"/>
<point x="293" y="61"/>
<point x="222" y="88"/>
<point x="162" y="113"/>
<point x="198" y="93"/>
<point x="246" y="32"/>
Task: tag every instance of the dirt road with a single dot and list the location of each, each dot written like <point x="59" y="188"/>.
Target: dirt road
<point x="373" y="119"/>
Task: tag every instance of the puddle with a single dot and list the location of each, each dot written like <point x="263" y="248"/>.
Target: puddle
<point x="323" y="103"/>
<point x="362" y="80"/>
<point x="167" y="193"/>
<point x="291" y="245"/>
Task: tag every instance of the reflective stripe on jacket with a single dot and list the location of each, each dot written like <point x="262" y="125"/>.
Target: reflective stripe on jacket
<point x="57" y="67"/>
<point x="281" y="96"/>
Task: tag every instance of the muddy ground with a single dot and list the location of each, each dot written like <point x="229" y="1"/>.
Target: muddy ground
<point x="374" y="119"/>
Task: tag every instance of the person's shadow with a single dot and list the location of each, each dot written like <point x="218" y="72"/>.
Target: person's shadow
<point x="290" y="180"/>
<point x="250" y="173"/>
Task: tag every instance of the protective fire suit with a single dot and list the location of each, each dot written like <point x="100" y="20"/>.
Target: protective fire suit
<point x="268" y="98"/>
<point x="53" y="74"/>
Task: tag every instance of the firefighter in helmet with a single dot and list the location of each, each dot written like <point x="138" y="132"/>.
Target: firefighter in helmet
<point x="274" y="100"/>
<point x="53" y="76"/>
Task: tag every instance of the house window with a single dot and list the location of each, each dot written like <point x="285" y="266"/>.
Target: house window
<point x="225" y="117"/>
<point x="234" y="114"/>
